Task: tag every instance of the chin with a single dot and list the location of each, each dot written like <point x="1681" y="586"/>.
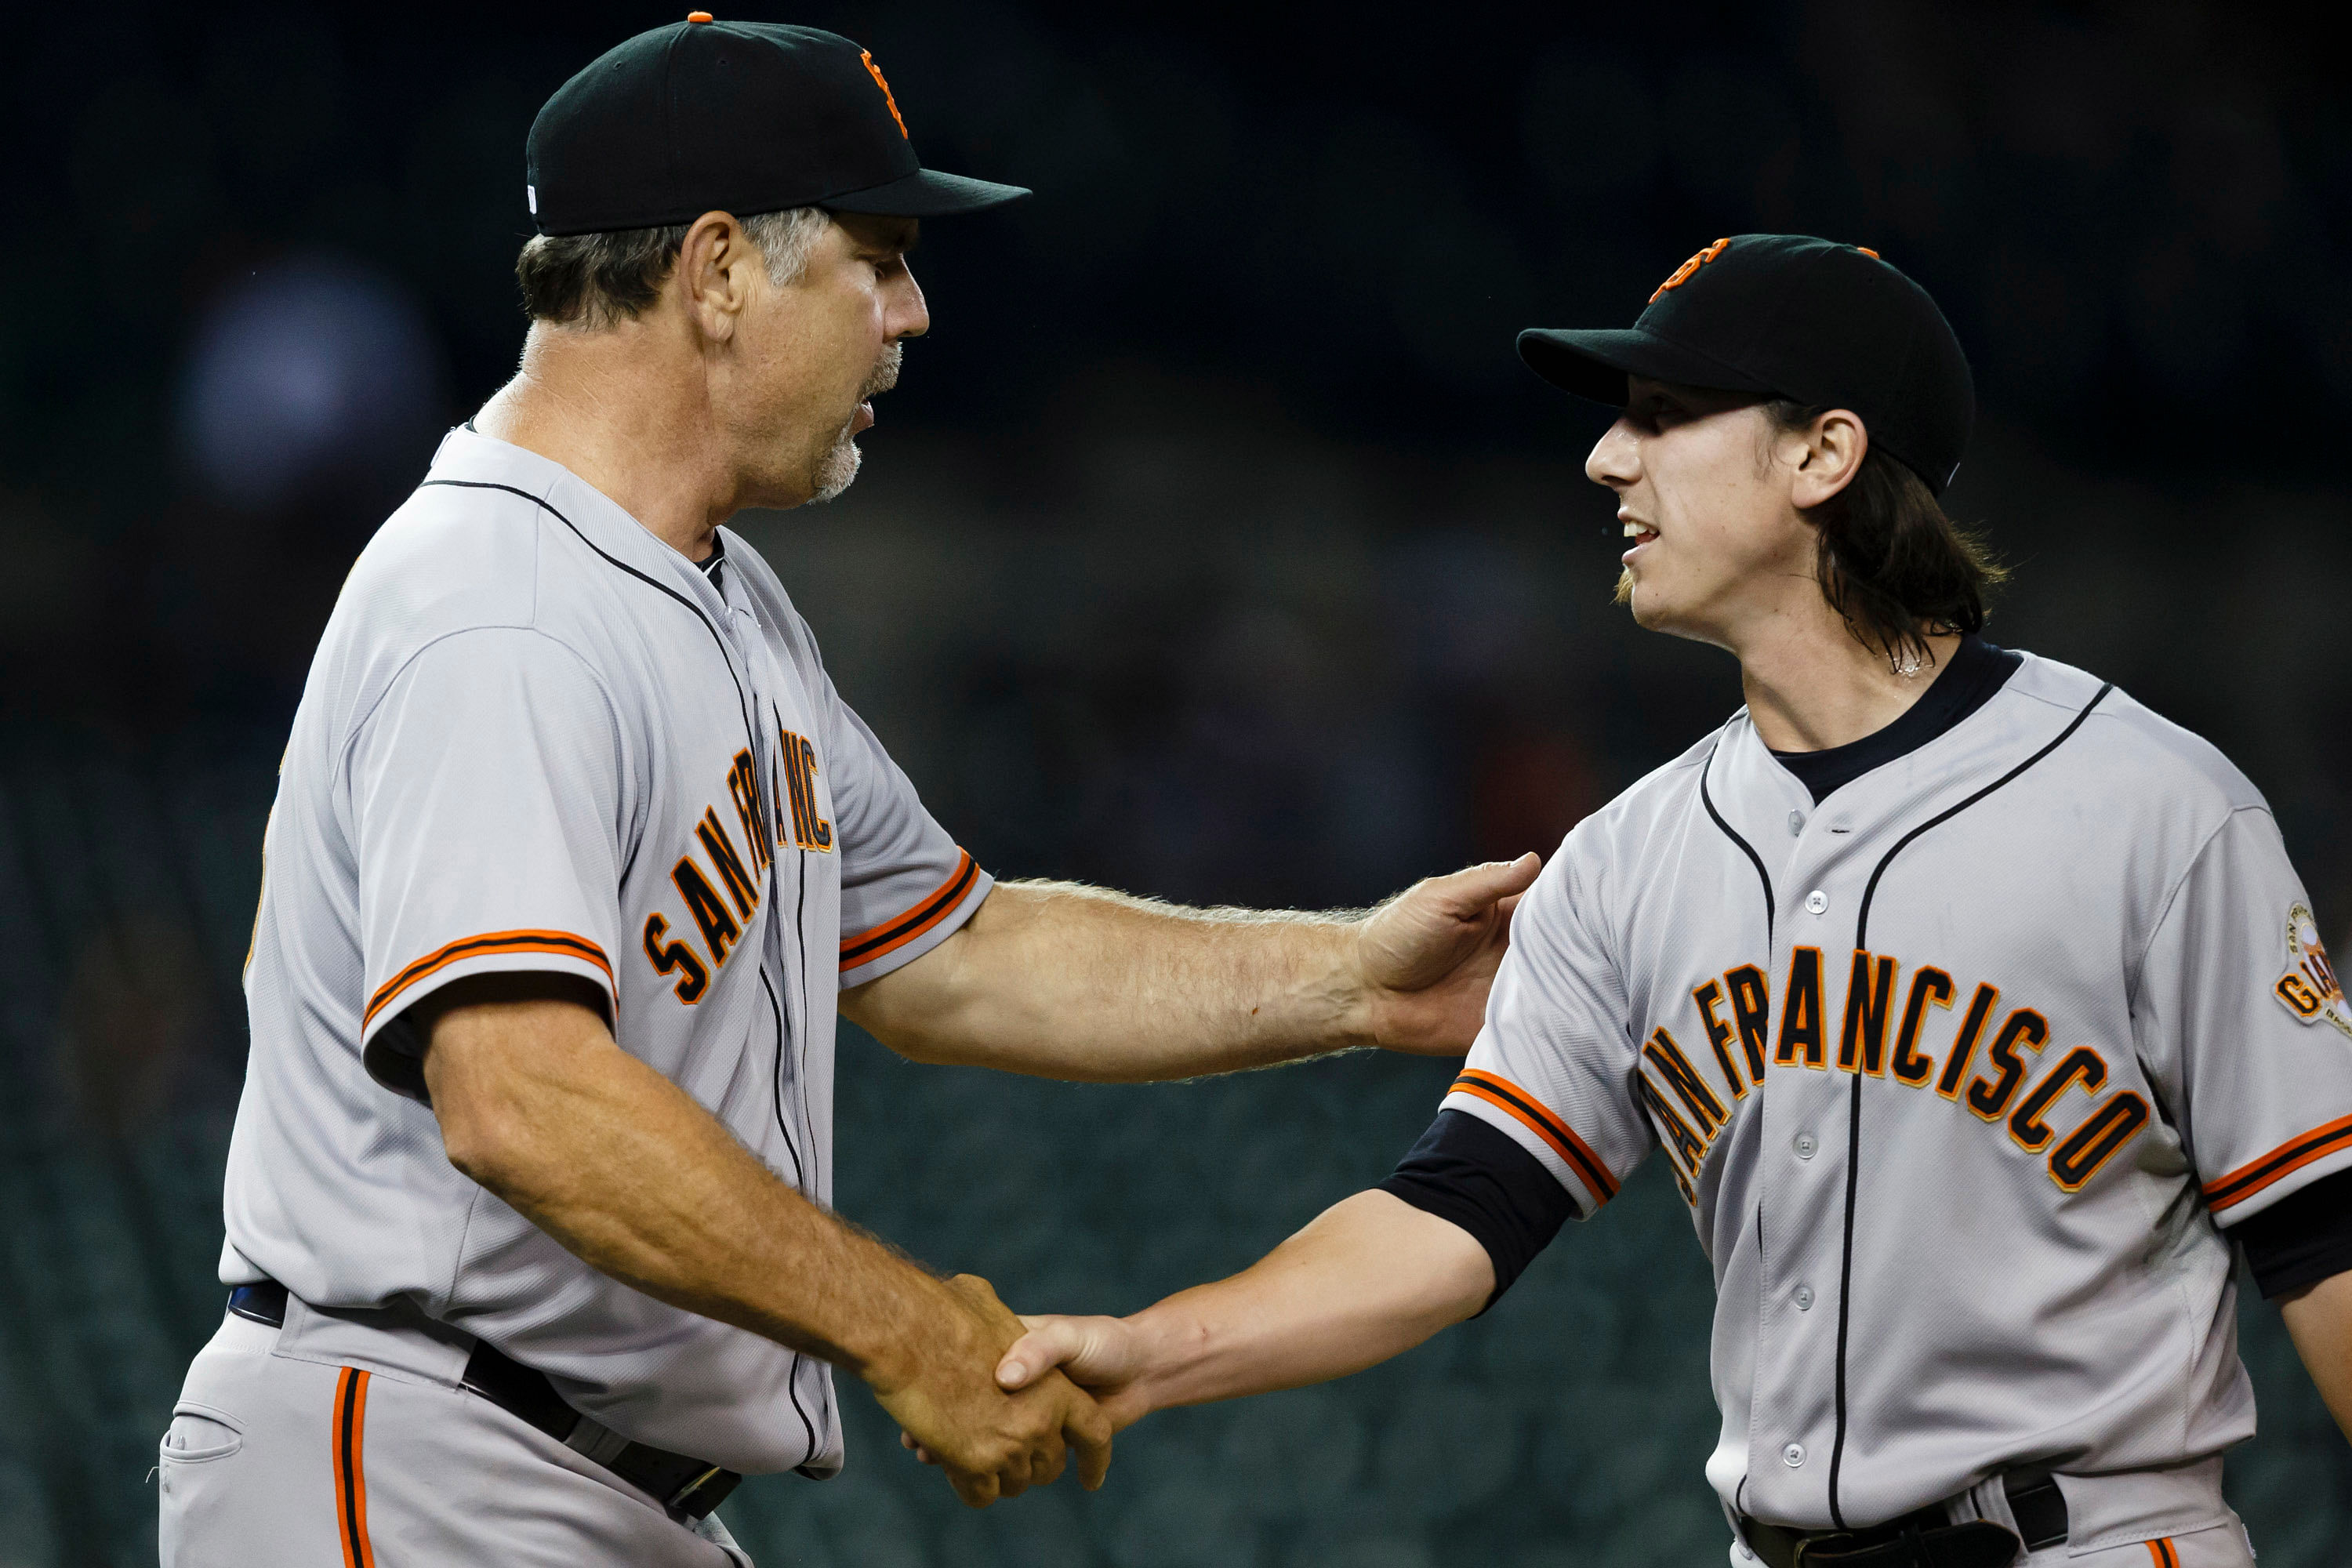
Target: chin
<point x="836" y="472"/>
<point x="1651" y="609"/>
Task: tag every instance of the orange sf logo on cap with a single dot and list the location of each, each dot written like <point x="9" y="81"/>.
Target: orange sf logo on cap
<point x="1682" y="273"/>
<point x="876" y="72"/>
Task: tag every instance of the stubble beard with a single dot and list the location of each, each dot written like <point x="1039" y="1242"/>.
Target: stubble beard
<point x="836" y="471"/>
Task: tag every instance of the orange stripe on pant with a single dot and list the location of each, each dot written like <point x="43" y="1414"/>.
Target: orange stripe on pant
<point x="2162" y="1553"/>
<point x="348" y="1437"/>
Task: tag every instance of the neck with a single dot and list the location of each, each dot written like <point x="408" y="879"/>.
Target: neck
<point x="625" y="411"/>
<point x="1811" y="684"/>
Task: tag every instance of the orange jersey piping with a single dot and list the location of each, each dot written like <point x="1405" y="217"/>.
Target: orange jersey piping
<point x="555" y="941"/>
<point x="895" y="934"/>
<point x="2236" y="1186"/>
<point x="1530" y="1113"/>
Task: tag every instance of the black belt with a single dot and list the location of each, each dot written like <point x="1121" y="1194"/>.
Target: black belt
<point x="687" y="1487"/>
<point x="1925" y="1538"/>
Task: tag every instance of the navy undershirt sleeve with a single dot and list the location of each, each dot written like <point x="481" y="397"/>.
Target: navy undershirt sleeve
<point x="1471" y="1173"/>
<point x="2302" y="1238"/>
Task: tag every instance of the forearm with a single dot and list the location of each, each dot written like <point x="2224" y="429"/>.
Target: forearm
<point x="630" y="1174"/>
<point x="2319" y="1321"/>
<point x="1062" y="981"/>
<point x="1370" y="1278"/>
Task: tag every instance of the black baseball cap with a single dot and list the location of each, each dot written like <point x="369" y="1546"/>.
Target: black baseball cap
<point x="739" y="117"/>
<point x="1782" y="315"/>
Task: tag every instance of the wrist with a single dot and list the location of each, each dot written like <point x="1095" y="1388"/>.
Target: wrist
<point x="1172" y="1350"/>
<point x="929" y="1326"/>
<point x="1360" y="998"/>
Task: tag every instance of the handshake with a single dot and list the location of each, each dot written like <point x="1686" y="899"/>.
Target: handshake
<point x="997" y="1409"/>
<point x="1368" y="1278"/>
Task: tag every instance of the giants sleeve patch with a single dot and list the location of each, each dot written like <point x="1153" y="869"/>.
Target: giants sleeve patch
<point x="2308" y="988"/>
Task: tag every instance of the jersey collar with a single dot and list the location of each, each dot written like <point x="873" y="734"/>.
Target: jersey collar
<point x="467" y="457"/>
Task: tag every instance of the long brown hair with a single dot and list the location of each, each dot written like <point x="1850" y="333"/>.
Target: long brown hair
<point x="1890" y="559"/>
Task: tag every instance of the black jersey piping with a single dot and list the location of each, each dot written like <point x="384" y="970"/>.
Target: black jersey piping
<point x="1853" y="1116"/>
<point x="800" y="957"/>
<point x="742" y="703"/>
<point x="783" y="1045"/>
<point x="1745" y="849"/>
<point x="783" y="1034"/>
<point x="800" y="1073"/>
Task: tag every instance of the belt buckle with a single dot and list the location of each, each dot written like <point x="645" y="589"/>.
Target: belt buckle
<point x="682" y="1500"/>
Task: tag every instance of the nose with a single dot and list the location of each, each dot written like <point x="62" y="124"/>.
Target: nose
<point x="1616" y="459"/>
<point x="907" y="315"/>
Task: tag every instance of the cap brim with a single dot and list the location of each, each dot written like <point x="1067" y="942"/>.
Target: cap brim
<point x="926" y="193"/>
<point x="1594" y="363"/>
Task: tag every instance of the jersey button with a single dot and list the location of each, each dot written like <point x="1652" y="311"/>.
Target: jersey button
<point x="1793" y="1455"/>
<point x="1816" y="902"/>
<point x="1805" y="1145"/>
<point x="1804" y="1297"/>
<point x="1795" y="823"/>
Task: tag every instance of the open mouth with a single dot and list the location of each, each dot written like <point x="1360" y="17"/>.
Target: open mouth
<point x="1640" y="534"/>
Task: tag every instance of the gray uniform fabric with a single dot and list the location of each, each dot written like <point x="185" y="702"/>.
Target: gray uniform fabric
<point x="1962" y="1073"/>
<point x="536" y="738"/>
<point x="247" y="1478"/>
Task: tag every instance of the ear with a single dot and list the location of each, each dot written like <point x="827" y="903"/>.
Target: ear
<point x="715" y="274"/>
<point x="1832" y="453"/>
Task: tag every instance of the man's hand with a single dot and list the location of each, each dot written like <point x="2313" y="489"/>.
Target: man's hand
<point x="992" y="1443"/>
<point x="1428" y="956"/>
<point x="1108" y="1357"/>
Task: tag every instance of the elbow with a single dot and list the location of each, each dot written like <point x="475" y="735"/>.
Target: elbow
<point x="488" y="1146"/>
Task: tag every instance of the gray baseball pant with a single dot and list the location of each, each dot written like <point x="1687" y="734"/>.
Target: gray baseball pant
<point x="326" y="1441"/>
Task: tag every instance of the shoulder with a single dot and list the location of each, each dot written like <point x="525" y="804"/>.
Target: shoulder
<point x="455" y="556"/>
<point x="458" y="572"/>
<point x="1614" y="851"/>
<point x="2132" y="749"/>
<point x="1654" y="803"/>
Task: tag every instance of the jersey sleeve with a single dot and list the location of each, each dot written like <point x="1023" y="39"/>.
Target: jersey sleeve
<point x="906" y="884"/>
<point x="486" y="797"/>
<point x="1553" y="1066"/>
<point x="2245" y="1030"/>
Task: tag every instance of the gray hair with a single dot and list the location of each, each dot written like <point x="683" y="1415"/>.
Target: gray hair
<point x="602" y="279"/>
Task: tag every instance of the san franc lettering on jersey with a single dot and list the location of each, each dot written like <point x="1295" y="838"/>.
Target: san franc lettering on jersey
<point x="742" y="876"/>
<point x="1874" y="1037"/>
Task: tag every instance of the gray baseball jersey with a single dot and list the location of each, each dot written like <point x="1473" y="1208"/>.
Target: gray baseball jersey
<point x="536" y="738"/>
<point x="1962" y="1072"/>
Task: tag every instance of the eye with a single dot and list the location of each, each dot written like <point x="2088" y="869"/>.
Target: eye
<point x="1657" y="413"/>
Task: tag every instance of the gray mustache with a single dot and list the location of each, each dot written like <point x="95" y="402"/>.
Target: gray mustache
<point x="886" y="372"/>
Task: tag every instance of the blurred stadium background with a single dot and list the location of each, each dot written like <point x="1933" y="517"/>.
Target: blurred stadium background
<point x="1215" y="546"/>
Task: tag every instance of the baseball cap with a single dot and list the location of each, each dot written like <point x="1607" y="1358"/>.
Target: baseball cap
<point x="740" y="117"/>
<point x="1784" y="315"/>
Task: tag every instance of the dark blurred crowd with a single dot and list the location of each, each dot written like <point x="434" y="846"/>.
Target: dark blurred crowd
<point x="261" y="255"/>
